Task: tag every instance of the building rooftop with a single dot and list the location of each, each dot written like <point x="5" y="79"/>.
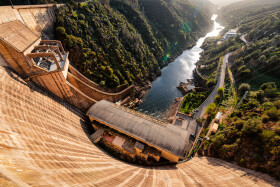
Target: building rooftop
<point x="17" y="35"/>
<point x="162" y="135"/>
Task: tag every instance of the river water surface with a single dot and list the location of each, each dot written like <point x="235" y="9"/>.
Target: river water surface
<point x="163" y="92"/>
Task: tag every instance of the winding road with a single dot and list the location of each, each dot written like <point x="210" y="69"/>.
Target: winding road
<point x="211" y="97"/>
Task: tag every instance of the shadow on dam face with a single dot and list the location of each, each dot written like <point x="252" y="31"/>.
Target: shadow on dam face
<point x="45" y="141"/>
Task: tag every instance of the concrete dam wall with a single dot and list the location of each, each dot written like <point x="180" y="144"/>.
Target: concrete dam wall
<point x="23" y="29"/>
<point x="44" y="142"/>
<point x="39" y="18"/>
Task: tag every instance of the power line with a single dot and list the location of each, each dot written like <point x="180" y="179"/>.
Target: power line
<point x="250" y="74"/>
<point x="263" y="73"/>
<point x="263" y="67"/>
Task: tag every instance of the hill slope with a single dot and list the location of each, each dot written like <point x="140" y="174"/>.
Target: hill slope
<point x="117" y="42"/>
<point x="250" y="135"/>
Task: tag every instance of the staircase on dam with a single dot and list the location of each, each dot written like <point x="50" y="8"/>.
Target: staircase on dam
<point x="44" y="140"/>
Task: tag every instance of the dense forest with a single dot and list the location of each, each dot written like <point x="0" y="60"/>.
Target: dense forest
<point x="33" y="2"/>
<point x="250" y="135"/>
<point x="117" y="42"/>
<point x="120" y="42"/>
<point x="234" y="13"/>
<point x="258" y="62"/>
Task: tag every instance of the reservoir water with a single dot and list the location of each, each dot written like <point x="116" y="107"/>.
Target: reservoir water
<point x="163" y="92"/>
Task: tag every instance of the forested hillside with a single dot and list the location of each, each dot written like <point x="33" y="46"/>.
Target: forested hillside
<point x="116" y="42"/>
<point x="258" y="62"/>
<point x="33" y="2"/>
<point x="250" y="135"/>
<point x="119" y="41"/>
<point x="206" y="6"/>
<point x="234" y="13"/>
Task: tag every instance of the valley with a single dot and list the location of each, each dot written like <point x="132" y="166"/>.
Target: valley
<point x="90" y="95"/>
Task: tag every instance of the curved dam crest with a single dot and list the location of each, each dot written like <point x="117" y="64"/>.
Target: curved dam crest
<point x="44" y="141"/>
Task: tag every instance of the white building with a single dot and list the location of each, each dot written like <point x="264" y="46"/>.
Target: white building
<point x="229" y="34"/>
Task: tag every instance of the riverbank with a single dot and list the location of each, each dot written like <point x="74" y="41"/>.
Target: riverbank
<point x="142" y="91"/>
<point x="161" y="96"/>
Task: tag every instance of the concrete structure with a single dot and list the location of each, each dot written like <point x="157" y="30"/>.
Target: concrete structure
<point x="38" y="18"/>
<point x="218" y="116"/>
<point x="215" y="127"/>
<point x="160" y="139"/>
<point x="229" y="34"/>
<point x="45" y="142"/>
<point x="45" y="62"/>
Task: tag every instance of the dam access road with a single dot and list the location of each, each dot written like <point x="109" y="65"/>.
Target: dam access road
<point x="191" y="124"/>
<point x="220" y="83"/>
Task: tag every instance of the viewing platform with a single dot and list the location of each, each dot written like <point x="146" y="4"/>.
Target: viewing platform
<point x="46" y="63"/>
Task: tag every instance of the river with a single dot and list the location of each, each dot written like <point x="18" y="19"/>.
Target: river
<point x="158" y="100"/>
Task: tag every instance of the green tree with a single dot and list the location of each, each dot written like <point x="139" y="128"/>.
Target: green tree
<point x="260" y="95"/>
<point x="252" y="127"/>
<point x="243" y="88"/>
<point x="264" y="86"/>
<point x="273" y="114"/>
<point x="221" y="91"/>
<point x="262" y="59"/>
<point x="269" y="89"/>
<point x="210" y="109"/>
<point x="60" y="33"/>
<point x="217" y="99"/>
<point x="210" y="83"/>
<point x="277" y="104"/>
<point x="218" y="140"/>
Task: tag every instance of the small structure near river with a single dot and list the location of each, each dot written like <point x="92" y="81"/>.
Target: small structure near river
<point x="229" y="34"/>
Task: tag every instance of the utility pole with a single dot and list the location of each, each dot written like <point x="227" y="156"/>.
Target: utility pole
<point x="29" y="3"/>
<point x="12" y="3"/>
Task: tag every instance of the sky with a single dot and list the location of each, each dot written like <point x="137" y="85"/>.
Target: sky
<point x="223" y="2"/>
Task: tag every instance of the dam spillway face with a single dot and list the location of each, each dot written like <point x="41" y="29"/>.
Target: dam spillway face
<point x="44" y="141"/>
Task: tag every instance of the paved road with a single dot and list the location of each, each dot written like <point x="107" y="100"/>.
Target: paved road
<point x="243" y="38"/>
<point x="211" y="97"/>
<point x="189" y="125"/>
